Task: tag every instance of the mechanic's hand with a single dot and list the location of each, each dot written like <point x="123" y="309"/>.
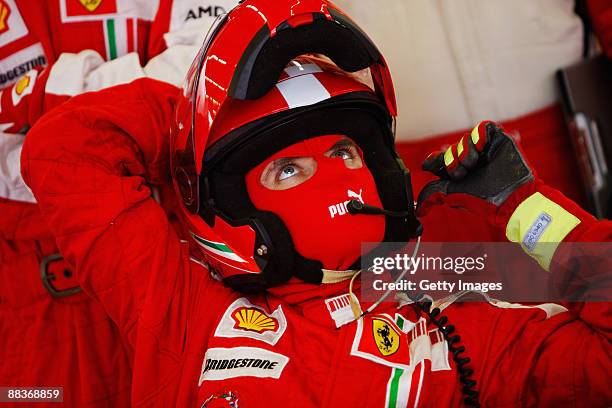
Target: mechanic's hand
<point x="478" y="174"/>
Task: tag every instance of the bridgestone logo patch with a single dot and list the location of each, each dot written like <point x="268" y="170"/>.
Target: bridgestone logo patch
<point x="239" y="363"/>
<point x="223" y="363"/>
<point x="535" y="232"/>
<point x="14" y="73"/>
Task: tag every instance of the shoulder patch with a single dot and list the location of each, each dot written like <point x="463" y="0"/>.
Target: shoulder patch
<point x="5" y="12"/>
<point x="340" y="311"/>
<point x="87" y="10"/>
<point x="399" y="343"/>
<point x="100" y="10"/>
<point x="244" y="319"/>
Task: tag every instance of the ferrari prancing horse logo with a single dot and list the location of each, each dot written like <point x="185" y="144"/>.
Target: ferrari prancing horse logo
<point x="386" y="338"/>
<point x="91" y="5"/>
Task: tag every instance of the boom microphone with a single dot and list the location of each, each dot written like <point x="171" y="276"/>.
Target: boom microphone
<point x="357" y="207"/>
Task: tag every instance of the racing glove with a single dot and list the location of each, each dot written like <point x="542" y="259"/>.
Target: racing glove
<point x="486" y="174"/>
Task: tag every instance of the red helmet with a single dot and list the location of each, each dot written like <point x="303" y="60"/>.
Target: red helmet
<point x="246" y="96"/>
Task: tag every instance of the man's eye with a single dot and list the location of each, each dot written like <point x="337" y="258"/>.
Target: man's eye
<point x="287" y="171"/>
<point x="344" y="154"/>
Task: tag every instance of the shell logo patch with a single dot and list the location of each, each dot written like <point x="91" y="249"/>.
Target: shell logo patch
<point x="22" y="84"/>
<point x="251" y="319"/>
<point x="5" y="12"/>
<point x="91" y="5"/>
<point x="386" y="337"/>
<point x="244" y="319"/>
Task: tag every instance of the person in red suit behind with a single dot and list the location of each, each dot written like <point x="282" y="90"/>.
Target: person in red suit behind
<point x="52" y="334"/>
<point x="601" y="17"/>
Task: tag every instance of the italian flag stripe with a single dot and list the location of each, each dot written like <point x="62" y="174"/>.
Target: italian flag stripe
<point x="111" y="40"/>
<point x="218" y="248"/>
<point x="215" y="245"/>
<point x="394" y="388"/>
<point x="120" y="36"/>
<point x="399" y="320"/>
<point x="395" y="377"/>
<point x="131" y="38"/>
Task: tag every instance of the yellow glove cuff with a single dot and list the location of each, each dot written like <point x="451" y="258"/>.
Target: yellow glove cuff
<point x="539" y="225"/>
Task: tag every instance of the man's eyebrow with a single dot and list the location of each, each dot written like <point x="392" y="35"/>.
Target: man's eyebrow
<point x="282" y="162"/>
<point x="342" y="143"/>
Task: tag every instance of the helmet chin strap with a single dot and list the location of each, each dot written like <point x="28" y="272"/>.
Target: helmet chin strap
<point x="356" y="307"/>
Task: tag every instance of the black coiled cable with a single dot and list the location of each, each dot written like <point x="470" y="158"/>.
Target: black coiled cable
<point x="459" y="355"/>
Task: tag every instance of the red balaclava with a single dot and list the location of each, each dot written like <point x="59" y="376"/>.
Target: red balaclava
<point x="315" y="211"/>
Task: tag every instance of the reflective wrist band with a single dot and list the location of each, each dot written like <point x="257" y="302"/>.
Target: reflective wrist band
<point x="539" y="225"/>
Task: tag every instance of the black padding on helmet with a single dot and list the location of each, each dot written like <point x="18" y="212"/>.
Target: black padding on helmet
<point x="265" y="57"/>
<point x="281" y="262"/>
<point x="358" y="115"/>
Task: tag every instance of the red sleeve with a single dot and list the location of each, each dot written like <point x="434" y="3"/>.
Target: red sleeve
<point x="160" y="26"/>
<point x="583" y="265"/>
<point x="90" y="163"/>
<point x="572" y="367"/>
<point x="25" y="102"/>
<point x="576" y="358"/>
<point x="601" y="16"/>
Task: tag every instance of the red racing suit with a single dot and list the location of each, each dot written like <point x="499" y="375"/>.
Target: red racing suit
<point x="70" y="341"/>
<point x="192" y="341"/>
<point x="601" y="16"/>
<point x="36" y="33"/>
